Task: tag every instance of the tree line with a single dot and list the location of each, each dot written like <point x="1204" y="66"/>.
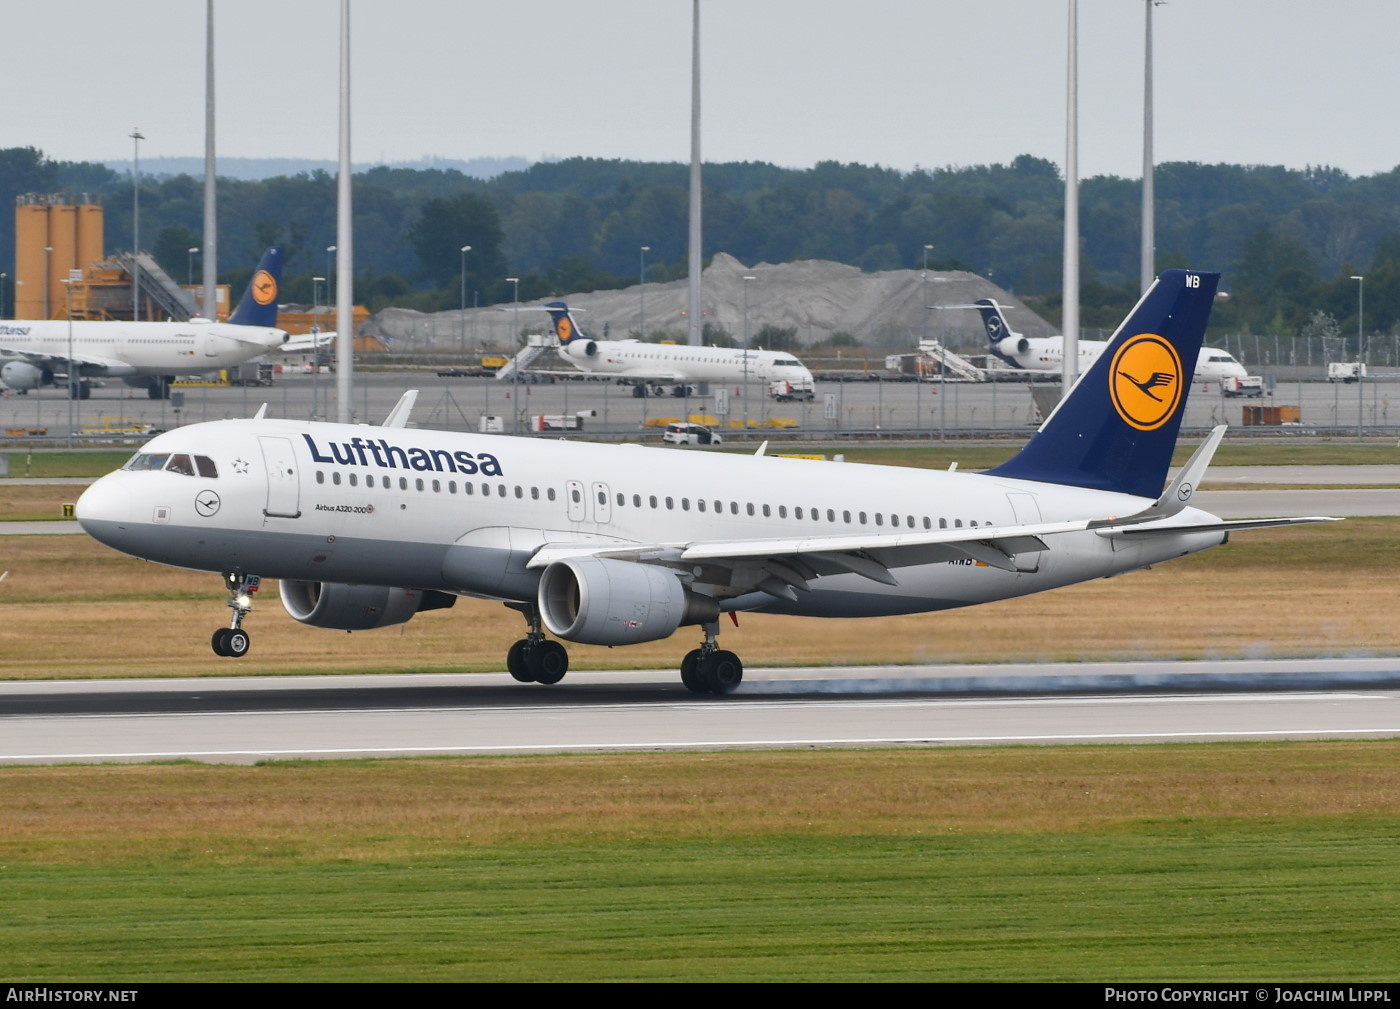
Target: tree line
<point x="1288" y="240"/>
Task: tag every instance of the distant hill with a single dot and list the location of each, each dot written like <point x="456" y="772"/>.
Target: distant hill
<point x="254" y="169"/>
<point x="816" y="297"/>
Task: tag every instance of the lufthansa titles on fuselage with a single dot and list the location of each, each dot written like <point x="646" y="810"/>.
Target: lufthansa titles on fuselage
<point x="378" y="452"/>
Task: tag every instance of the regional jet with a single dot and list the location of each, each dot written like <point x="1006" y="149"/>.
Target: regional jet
<point x="1048" y="353"/>
<point x="615" y="544"/>
<point x="147" y="355"/>
<point x="653" y="366"/>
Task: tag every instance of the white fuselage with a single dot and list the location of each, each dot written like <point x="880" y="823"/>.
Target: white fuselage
<point x="676" y="363"/>
<point x="465" y="514"/>
<point x="1048" y="354"/>
<point x="119" y="349"/>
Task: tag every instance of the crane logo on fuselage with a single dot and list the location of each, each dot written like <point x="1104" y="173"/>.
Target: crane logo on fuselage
<point x="378" y="452"/>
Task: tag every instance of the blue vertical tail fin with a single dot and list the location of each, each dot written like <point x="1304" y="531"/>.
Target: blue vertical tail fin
<point x="1117" y="428"/>
<point x="258" y="307"/>
<point x="998" y="330"/>
<point x="564" y="326"/>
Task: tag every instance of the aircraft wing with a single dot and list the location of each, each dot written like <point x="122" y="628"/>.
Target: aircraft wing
<point x="779" y="565"/>
<point x="59" y="362"/>
<point x="304" y="343"/>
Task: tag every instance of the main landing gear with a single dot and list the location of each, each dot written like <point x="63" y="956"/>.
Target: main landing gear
<point x="534" y="658"/>
<point x="710" y="669"/>
<point x="233" y="641"/>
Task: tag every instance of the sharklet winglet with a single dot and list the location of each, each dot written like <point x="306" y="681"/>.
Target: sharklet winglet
<point x="398" y="416"/>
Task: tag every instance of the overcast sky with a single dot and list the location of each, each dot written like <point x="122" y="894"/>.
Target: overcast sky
<point x="901" y="83"/>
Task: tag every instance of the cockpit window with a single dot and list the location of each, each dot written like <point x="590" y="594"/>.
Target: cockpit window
<point x="182" y="463"/>
<point x="148" y="460"/>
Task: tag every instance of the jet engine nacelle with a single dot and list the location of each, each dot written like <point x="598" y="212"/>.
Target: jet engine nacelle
<point x="1022" y="345"/>
<point x="582" y="348"/>
<point x="600" y="601"/>
<point x="23" y="375"/>
<point x="357" y="607"/>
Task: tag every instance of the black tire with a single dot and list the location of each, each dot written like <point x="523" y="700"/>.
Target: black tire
<point x="548" y="662"/>
<point x="690" y="674"/>
<point x="516" y="662"/>
<point x="722" y="672"/>
<point x="639" y="392"/>
<point x="219" y="642"/>
<point x="238" y="643"/>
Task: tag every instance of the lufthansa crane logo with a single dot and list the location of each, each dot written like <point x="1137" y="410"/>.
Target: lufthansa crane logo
<point x="1145" y="381"/>
<point x="566" y="330"/>
<point x="207" y="503"/>
<point x="264" y="288"/>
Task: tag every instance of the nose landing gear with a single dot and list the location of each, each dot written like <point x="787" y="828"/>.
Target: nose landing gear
<point x="233" y="641"/>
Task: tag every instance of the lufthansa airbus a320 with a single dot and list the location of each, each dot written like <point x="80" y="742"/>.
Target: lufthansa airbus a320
<point x="605" y="544"/>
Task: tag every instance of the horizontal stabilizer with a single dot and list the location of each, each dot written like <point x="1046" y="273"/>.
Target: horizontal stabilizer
<point x="1223" y="525"/>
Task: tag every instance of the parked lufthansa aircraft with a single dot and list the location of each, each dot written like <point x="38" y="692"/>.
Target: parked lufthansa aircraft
<point x="655" y="365"/>
<point x="611" y="545"/>
<point x="1047" y="353"/>
<point x="148" y="355"/>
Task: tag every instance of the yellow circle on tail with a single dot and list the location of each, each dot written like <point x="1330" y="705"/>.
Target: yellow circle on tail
<point x="1146" y="381"/>
<point x="264" y="288"/>
<point x="565" y="330"/>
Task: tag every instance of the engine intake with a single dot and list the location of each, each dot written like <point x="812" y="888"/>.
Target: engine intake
<point x="25" y="376"/>
<point x="600" y="601"/>
<point x="342" y="607"/>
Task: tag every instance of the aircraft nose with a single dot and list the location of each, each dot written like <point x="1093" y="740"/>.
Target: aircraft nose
<point x="104" y="511"/>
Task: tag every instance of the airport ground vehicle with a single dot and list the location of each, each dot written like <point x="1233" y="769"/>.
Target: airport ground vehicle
<point x="784" y="390"/>
<point x="1249" y="385"/>
<point x="690" y="434"/>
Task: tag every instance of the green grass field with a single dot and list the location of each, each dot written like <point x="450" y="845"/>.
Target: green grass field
<point x="1239" y="862"/>
<point x="1179" y="863"/>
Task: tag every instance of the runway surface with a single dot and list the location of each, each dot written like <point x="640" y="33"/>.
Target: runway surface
<point x="243" y="720"/>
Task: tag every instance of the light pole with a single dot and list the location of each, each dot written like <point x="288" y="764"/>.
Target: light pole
<point x="330" y="275"/>
<point x="48" y="253"/>
<point x="316" y="283"/>
<point x="74" y="384"/>
<point x="3" y="278"/>
<point x="1360" y="367"/>
<point x="189" y="266"/>
<point x="919" y="361"/>
<point x="136" y="138"/>
<point x="462" y="327"/>
<point x="746" y="353"/>
<point x="515" y="362"/>
<point x="641" y="291"/>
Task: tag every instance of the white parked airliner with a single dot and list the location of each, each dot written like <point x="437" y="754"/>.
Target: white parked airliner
<point x="1047" y="353"/>
<point x="147" y="355"/>
<point x="607" y="544"/>
<point x="658" y="365"/>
